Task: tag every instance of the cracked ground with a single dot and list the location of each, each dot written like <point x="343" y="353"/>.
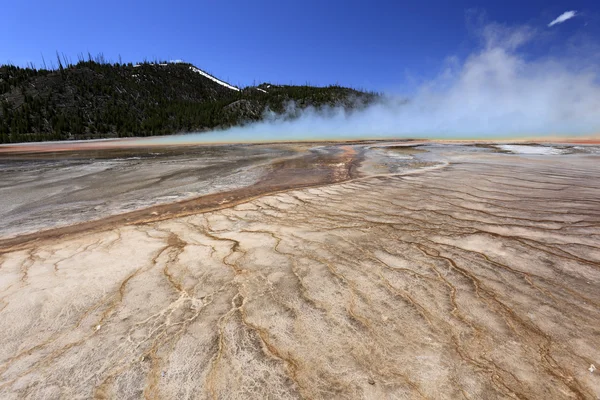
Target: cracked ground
<point x="475" y="279"/>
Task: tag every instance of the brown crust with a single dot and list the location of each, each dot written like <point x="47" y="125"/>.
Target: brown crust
<point x="310" y="170"/>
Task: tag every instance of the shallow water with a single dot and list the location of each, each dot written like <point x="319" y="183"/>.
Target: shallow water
<point x="41" y="191"/>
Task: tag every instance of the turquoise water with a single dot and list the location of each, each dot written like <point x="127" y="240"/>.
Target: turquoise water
<point x="249" y="135"/>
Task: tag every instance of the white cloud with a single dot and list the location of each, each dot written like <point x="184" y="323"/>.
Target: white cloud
<point x="563" y="17"/>
<point x="498" y="90"/>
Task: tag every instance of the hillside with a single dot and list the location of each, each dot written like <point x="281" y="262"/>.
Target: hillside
<point x="94" y="99"/>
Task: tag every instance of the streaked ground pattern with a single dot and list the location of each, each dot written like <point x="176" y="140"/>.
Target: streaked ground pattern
<point x="476" y="278"/>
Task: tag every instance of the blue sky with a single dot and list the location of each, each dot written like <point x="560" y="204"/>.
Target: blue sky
<point x="379" y="45"/>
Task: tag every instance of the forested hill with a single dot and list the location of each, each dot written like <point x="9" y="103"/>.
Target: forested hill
<point x="94" y="99"/>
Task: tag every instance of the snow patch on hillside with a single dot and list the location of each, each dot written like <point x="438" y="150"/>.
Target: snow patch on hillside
<point x="212" y="78"/>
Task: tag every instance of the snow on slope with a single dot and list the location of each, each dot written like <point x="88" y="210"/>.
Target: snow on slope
<point x="264" y="91"/>
<point x="212" y="78"/>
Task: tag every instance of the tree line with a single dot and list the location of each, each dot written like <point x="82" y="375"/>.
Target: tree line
<point x="98" y="99"/>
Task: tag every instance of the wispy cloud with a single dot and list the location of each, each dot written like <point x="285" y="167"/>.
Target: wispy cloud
<point x="567" y="15"/>
<point x="498" y="90"/>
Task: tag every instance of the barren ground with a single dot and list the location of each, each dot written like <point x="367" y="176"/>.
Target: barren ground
<point x="455" y="272"/>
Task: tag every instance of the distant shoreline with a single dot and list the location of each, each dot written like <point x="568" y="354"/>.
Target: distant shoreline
<point x="162" y="141"/>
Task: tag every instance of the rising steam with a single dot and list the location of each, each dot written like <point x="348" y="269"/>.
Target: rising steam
<point x="497" y="91"/>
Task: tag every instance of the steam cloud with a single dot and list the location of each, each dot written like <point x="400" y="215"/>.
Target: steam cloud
<point x="496" y="92"/>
